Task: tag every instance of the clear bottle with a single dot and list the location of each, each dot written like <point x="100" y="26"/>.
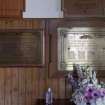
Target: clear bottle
<point x="49" y="97"/>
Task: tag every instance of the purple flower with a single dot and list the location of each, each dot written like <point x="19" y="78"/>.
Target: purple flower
<point x="91" y="93"/>
<point x="96" y="94"/>
<point x="88" y="96"/>
<point x="102" y="92"/>
<point x="89" y="89"/>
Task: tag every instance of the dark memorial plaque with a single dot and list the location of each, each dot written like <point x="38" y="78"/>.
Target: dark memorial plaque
<point x="23" y="48"/>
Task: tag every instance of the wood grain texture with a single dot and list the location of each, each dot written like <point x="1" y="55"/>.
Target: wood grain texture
<point x="81" y="8"/>
<point x="11" y="8"/>
<point x="21" y="85"/>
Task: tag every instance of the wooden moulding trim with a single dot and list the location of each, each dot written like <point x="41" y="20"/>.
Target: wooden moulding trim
<point x="21" y="65"/>
<point x="24" y="5"/>
<point x="101" y="73"/>
<point x="62" y="74"/>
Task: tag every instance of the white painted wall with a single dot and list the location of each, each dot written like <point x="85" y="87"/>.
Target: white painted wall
<point x="43" y="9"/>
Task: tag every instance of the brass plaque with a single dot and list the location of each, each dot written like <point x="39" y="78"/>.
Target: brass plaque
<point x="81" y="45"/>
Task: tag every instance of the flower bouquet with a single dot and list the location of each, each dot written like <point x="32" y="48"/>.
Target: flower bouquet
<point x="87" y="90"/>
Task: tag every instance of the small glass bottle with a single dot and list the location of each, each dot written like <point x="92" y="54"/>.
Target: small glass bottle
<point x="49" y="97"/>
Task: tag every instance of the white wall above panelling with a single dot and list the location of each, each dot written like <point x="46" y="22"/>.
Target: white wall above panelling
<point x="43" y="9"/>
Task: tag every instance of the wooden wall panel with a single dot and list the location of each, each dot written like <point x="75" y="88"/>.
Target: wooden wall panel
<point x="11" y="4"/>
<point x="21" y="91"/>
<point x="11" y="8"/>
<point x="10" y="13"/>
<point x="62" y="88"/>
<point x="80" y="8"/>
<point x="23" y="86"/>
<point x="2" y="78"/>
<point x="20" y="24"/>
<point x="8" y="87"/>
<point x="34" y="94"/>
<point x="14" y="87"/>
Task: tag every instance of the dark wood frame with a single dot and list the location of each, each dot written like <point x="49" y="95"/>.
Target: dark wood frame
<point x="77" y="9"/>
<point x="71" y="22"/>
<point x="27" y="65"/>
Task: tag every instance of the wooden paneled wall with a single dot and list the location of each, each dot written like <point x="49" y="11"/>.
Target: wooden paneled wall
<point x="11" y="8"/>
<point x="22" y="85"/>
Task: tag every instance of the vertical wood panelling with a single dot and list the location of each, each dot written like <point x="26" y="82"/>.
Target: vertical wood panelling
<point x="34" y="93"/>
<point x="54" y="86"/>
<point x="17" y="86"/>
<point x="35" y="84"/>
<point x="62" y="88"/>
<point x="2" y="86"/>
<point x="11" y="8"/>
<point x="14" y="84"/>
<point x="20" y="86"/>
<point x="28" y="86"/>
<point x="8" y="85"/>
<point x="23" y="86"/>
